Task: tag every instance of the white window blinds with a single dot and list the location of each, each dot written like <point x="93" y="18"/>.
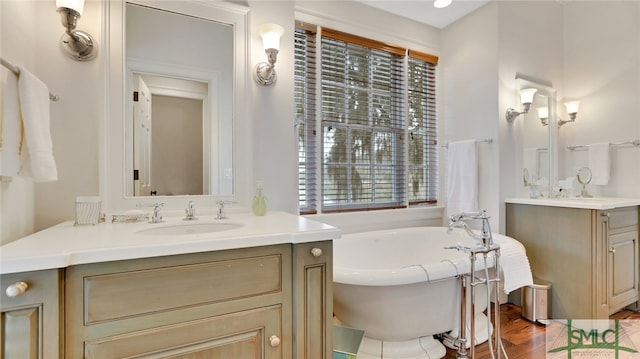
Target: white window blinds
<point x="305" y="112"/>
<point x="422" y="131"/>
<point x="371" y="152"/>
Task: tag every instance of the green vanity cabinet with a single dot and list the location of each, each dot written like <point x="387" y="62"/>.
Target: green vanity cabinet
<point x="313" y="300"/>
<point x="30" y="315"/>
<point x="261" y="302"/>
<point x="226" y="304"/>
<point x="590" y="256"/>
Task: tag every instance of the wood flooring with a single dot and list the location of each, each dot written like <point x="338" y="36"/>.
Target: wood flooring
<point x="523" y="339"/>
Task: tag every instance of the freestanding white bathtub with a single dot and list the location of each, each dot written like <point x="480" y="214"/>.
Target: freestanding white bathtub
<point x="400" y="286"/>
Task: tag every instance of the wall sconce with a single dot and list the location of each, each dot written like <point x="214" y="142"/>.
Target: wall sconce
<point x="76" y="44"/>
<point x="265" y="73"/>
<point x="526" y="98"/>
<point x="572" y="110"/>
<point x="543" y="113"/>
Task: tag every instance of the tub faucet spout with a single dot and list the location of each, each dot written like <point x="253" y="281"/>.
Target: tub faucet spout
<point x="459" y="220"/>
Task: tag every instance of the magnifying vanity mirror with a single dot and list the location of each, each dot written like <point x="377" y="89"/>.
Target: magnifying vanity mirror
<point x="584" y="177"/>
<point x="176" y="73"/>
<point x="538" y="160"/>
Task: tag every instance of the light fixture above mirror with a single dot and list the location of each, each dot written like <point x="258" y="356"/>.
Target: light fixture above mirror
<point x="526" y="98"/>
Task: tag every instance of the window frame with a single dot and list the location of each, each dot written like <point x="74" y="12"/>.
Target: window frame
<point x="402" y="135"/>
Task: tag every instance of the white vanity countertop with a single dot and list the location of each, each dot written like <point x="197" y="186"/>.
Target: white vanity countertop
<point x="578" y="202"/>
<point x="65" y="244"/>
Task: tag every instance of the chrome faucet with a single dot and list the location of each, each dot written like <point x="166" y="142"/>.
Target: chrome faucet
<point x="220" y="214"/>
<point x="156" y="216"/>
<point x="459" y="221"/>
<point x="190" y="212"/>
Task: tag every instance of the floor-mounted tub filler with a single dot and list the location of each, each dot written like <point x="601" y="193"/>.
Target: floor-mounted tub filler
<point x="403" y="287"/>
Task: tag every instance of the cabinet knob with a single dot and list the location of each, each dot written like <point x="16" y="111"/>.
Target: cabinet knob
<point x="16" y="289"/>
<point x="316" y="252"/>
<point x="274" y="341"/>
<point x="612" y="250"/>
<point x="606" y="214"/>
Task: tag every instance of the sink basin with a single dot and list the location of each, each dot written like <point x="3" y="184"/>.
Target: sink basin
<point x="189" y="228"/>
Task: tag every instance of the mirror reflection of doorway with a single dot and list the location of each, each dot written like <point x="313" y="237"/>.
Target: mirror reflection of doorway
<point x="168" y="136"/>
<point x="142" y="148"/>
<point x="177" y="143"/>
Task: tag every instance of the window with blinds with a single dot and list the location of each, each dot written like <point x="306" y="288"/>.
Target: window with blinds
<point x="305" y="117"/>
<point x="372" y="141"/>
<point x="422" y="181"/>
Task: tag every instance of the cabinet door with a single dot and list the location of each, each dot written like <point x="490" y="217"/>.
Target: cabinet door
<point x="30" y="315"/>
<point x="249" y="334"/>
<point x="313" y="293"/>
<point x="622" y="270"/>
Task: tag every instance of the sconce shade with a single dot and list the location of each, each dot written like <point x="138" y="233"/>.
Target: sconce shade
<point x="526" y="95"/>
<point x="526" y="98"/>
<point x="543" y="112"/>
<point x="441" y="3"/>
<point x="271" y="34"/>
<point x="572" y="107"/>
<point x="572" y="110"/>
<point x="77" y="5"/>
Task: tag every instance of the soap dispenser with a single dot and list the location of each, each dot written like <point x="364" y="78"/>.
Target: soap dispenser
<point x="259" y="201"/>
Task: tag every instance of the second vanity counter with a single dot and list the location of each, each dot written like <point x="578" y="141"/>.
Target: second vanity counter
<point x="65" y="245"/>
<point x="600" y="203"/>
<point x="587" y="248"/>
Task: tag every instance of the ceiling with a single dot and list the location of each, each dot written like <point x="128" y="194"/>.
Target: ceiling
<point x="423" y="10"/>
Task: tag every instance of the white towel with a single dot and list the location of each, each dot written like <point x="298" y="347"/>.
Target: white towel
<point x="514" y="265"/>
<point x="600" y="163"/>
<point x="11" y="127"/>
<point x="462" y="177"/>
<point x="34" y="104"/>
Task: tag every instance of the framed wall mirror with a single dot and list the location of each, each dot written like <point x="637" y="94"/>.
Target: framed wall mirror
<point x="538" y="159"/>
<point x="176" y="74"/>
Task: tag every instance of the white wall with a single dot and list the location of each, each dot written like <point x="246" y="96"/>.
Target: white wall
<point x="17" y="196"/>
<point x="602" y="70"/>
<point x="469" y="88"/>
<point x="74" y="119"/>
<point x="482" y="53"/>
<point x="271" y="114"/>
<point x="529" y="47"/>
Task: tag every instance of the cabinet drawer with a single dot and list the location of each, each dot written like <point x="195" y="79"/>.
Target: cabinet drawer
<point x="623" y="217"/>
<point x="236" y="335"/>
<point x="132" y="293"/>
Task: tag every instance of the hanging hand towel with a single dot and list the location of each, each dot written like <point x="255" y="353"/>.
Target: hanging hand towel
<point x="34" y="104"/>
<point x="600" y="163"/>
<point x="11" y="127"/>
<point x="462" y="177"/>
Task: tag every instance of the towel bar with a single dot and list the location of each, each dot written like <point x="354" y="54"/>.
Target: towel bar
<point x="635" y="143"/>
<point x="16" y="71"/>
<point x="486" y="140"/>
